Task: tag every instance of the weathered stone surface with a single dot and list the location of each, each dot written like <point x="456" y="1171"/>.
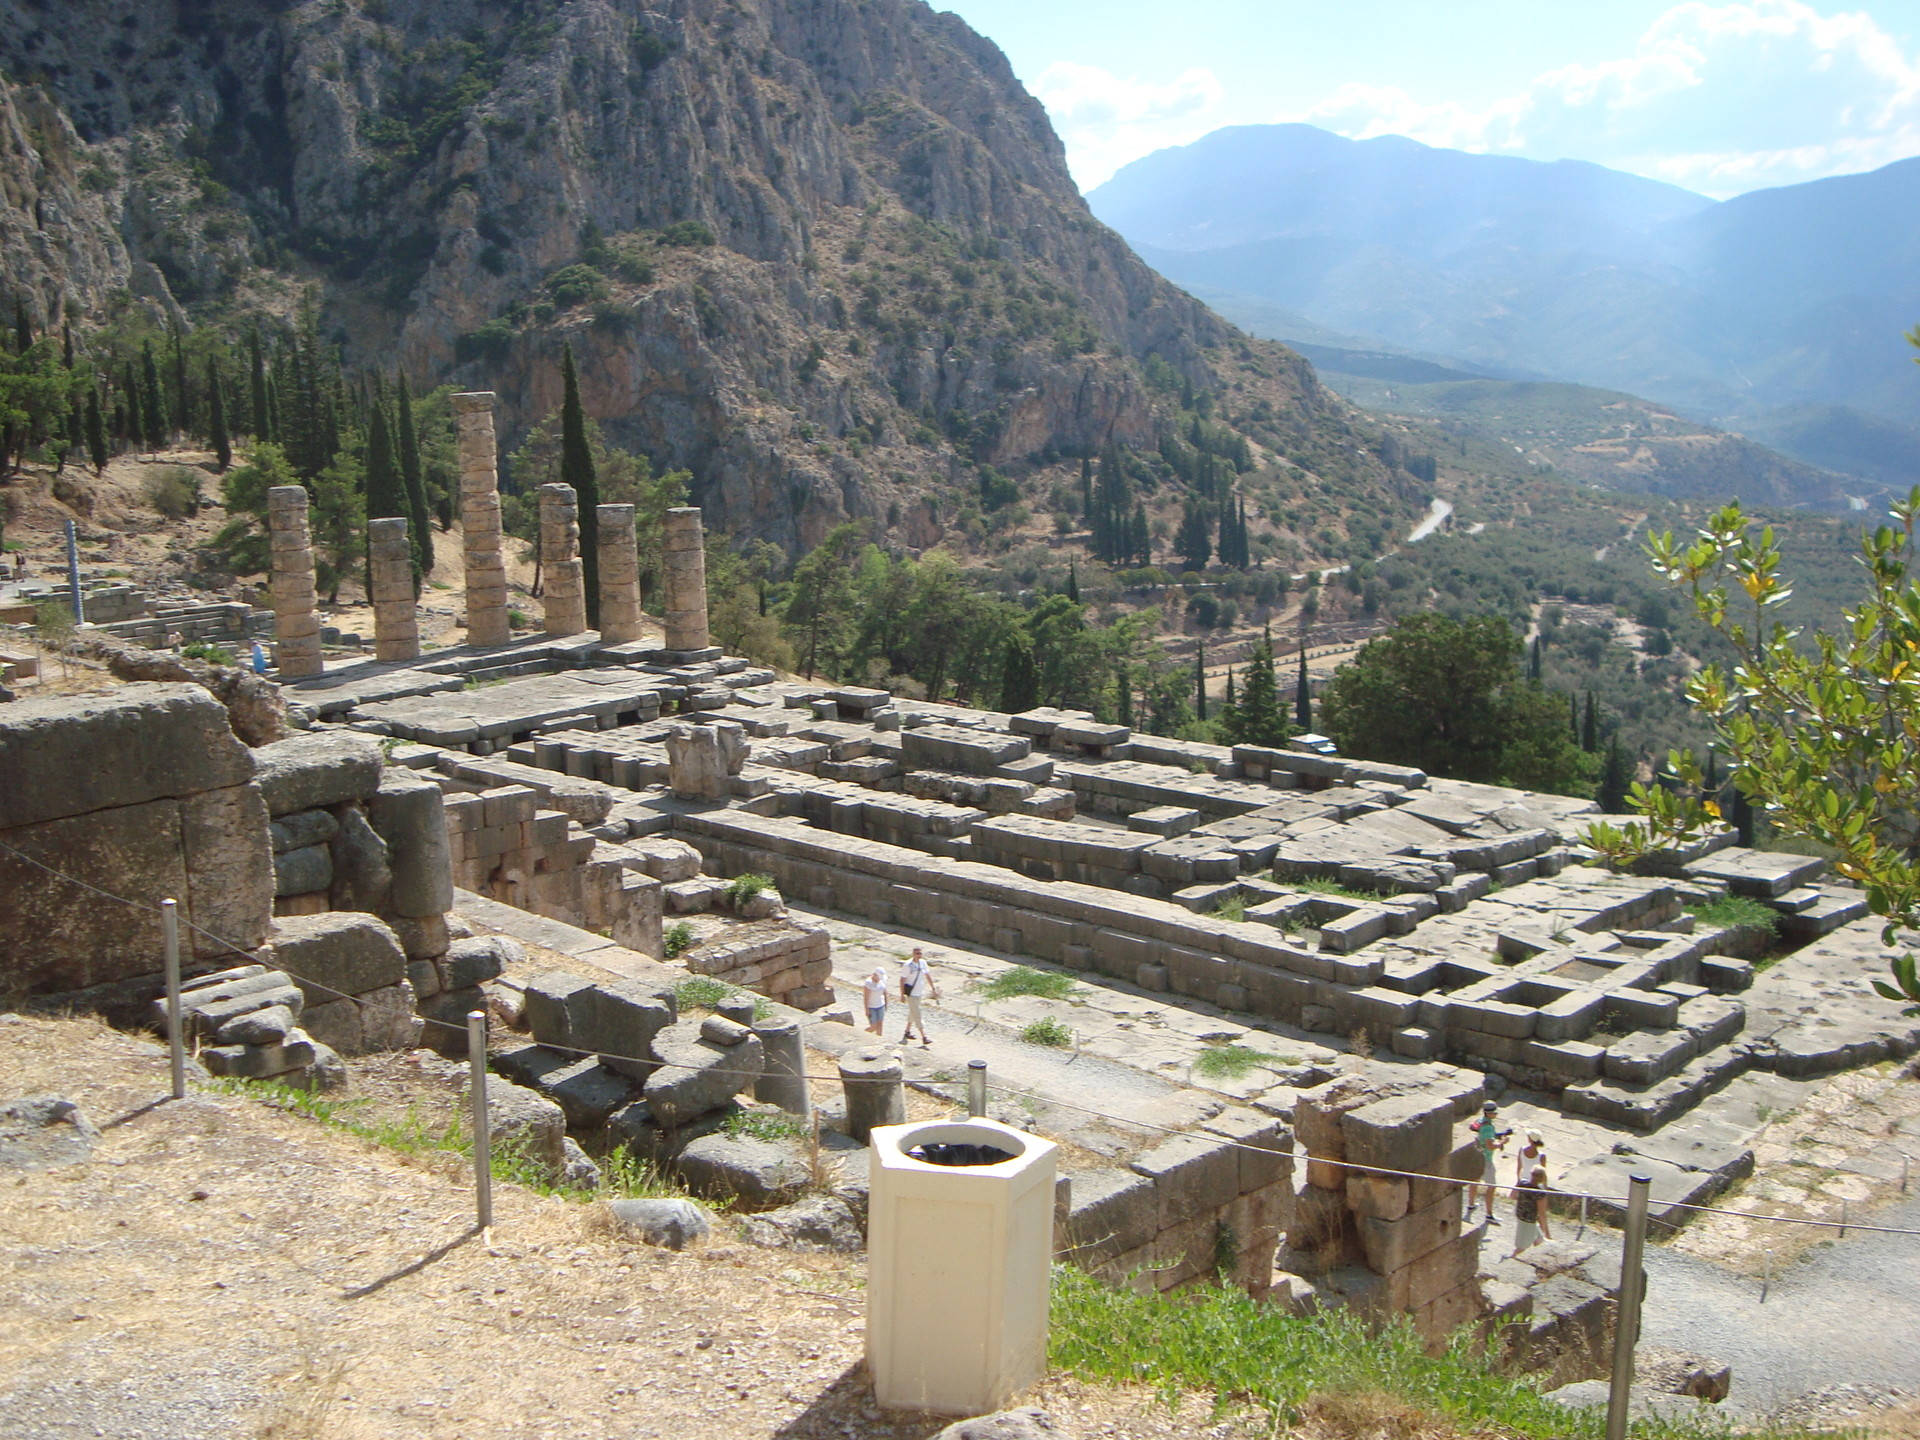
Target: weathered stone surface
<point x="302" y="872"/>
<point x="695" y="1075"/>
<point x="259" y="1062"/>
<point x="752" y="1173"/>
<point x="337" y="1025"/>
<point x="266" y="1026"/>
<point x="619" y="1021"/>
<point x="875" y="1095"/>
<point x="387" y="1018"/>
<point x="666" y="1223"/>
<point x="409" y="812"/>
<point x="143" y="742"/>
<point x="819" y="1223"/>
<point x="318" y="768"/>
<point x="362" y="877"/>
<point x="301" y="829"/>
<point x="484" y="957"/>
<point x="230" y="873"/>
<point x="44" y="1132"/>
<point x="549" y="1001"/>
<point x="579" y="1172"/>
<point x="587" y="1091"/>
<point x="1029" y="1422"/>
<point x="338" y="953"/>
<point x="519" y="1117"/>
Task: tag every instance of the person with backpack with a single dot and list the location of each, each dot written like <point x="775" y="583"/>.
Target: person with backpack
<point x="1530" y="1211"/>
<point x="917" y="984"/>
<point x="1487" y="1137"/>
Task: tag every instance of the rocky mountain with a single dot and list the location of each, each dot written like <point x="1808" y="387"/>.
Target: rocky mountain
<point x="824" y="253"/>
<point x="1746" y="313"/>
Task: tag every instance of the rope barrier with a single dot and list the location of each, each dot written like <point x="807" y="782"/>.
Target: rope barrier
<point x="1006" y="1090"/>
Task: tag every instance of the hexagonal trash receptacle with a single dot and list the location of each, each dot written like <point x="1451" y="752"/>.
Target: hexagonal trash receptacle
<point x="959" y="1244"/>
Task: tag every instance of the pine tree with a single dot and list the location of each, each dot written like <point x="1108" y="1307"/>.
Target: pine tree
<point x="576" y="469"/>
<point x="1257" y="720"/>
<point x="1073" y="580"/>
<point x="217" y="419"/>
<point x="1590" y="729"/>
<point x="1303" y="696"/>
<point x="414" y="481"/>
<point x="1200" y="681"/>
<point x="262" y="424"/>
<point x="96" y="432"/>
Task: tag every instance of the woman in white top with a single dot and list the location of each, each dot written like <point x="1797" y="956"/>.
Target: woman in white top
<point x="875" y="993"/>
<point x="1532" y="1155"/>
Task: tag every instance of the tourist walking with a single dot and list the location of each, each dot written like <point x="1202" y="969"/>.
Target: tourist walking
<point x="1532" y="1156"/>
<point x="1530" y="1211"/>
<point x="1487" y="1138"/>
<point x="917" y="984"/>
<point x="874" y="992"/>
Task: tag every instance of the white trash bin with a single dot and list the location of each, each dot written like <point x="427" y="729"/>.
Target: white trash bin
<point x="958" y="1264"/>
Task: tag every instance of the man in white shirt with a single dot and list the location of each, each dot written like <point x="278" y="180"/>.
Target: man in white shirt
<point x="916" y="983"/>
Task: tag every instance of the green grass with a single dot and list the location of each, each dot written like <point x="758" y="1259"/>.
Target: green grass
<point x="1330" y="887"/>
<point x="1245" y="1353"/>
<point x="1735" y="911"/>
<point x="1047" y="1032"/>
<point x="702" y="992"/>
<point x="1234" y="907"/>
<point x="743" y="888"/>
<point x="1023" y="980"/>
<point x="1228" y="1062"/>
<point x="678" y="940"/>
<point x="763" y="1125"/>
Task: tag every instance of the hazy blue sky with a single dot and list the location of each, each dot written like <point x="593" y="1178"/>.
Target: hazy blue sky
<point x="1721" y="96"/>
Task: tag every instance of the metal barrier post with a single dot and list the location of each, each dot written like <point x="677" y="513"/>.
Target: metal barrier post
<point x="1843" y="1218"/>
<point x="1906" y="1165"/>
<point x="1583" y="1218"/>
<point x="482" y="1129"/>
<point x="1766" y="1278"/>
<point x="1627" y="1319"/>
<point x="977" y="1088"/>
<point x="176" y="1042"/>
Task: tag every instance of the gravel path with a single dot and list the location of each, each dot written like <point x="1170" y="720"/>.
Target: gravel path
<point x="1846" y="1314"/>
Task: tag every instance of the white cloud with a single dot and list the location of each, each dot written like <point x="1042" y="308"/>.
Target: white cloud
<point x="1105" y="121"/>
<point x="1718" y="97"/>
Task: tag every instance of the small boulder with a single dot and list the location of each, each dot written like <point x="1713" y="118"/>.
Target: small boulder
<point x="819" y="1222"/>
<point x="579" y="1172"/>
<point x="268" y="1026"/>
<point x="667" y="1223"/>
<point x="44" y="1132"/>
<point x="752" y="1173"/>
<point x="517" y="1116"/>
<point x="1029" y="1422"/>
<point x="696" y="1074"/>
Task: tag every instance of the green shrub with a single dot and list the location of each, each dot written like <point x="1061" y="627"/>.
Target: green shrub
<point x="678" y="940"/>
<point x="687" y="232"/>
<point x="1330" y="887"/>
<point x="1234" y="907"/>
<point x="491" y="342"/>
<point x="763" y="1125"/>
<point x="1022" y="980"/>
<point x="1048" y="1031"/>
<point x="743" y="888"/>
<point x="212" y="654"/>
<point x="576" y="285"/>
<point x="174" y="491"/>
<point x="1227" y="1062"/>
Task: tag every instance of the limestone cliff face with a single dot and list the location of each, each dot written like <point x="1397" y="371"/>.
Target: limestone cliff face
<point x="902" y="283"/>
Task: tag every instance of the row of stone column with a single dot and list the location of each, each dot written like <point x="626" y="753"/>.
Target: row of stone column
<point x="396" y="624"/>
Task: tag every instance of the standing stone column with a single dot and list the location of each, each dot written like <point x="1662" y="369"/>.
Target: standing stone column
<point x="487" y="622"/>
<point x="685" y="559"/>
<point x="295" y="626"/>
<point x="619" y="576"/>
<point x="563" y="576"/>
<point x="872" y="1082"/>
<point x="396" y="622"/>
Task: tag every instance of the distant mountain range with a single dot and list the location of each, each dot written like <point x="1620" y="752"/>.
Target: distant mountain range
<point x="1779" y="314"/>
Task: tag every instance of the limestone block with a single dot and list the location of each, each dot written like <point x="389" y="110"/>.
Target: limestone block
<point x="481" y="958"/>
<point x="341" y="952"/>
<point x="1113" y="1211"/>
<point x="318" y="768"/>
<point x="301" y="829"/>
<point x="518" y="1116"/>
<point x="618" y="1020"/>
<point x="1390" y="1245"/>
<point x="586" y="1091"/>
<point x="696" y="1074"/>
<point x="408" y="811"/>
<point x="550" y="1002"/>
<point x="1265" y="1144"/>
<point x="362" y="877"/>
<point x="1401" y="1132"/>
<point x="164" y="740"/>
<point x="754" y="1174"/>
<point x="259" y="1062"/>
<point x="872" y="1080"/>
<point x="299" y="872"/>
<point x="230" y="874"/>
<point x="1190" y="1174"/>
<point x="336" y="1024"/>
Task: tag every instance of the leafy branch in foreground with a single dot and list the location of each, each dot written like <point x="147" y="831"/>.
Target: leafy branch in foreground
<point x="1824" y="735"/>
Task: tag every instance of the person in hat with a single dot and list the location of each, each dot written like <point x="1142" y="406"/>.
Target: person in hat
<point x="1532" y="1155"/>
<point x="1488" y="1137"/>
<point x="1530" y="1210"/>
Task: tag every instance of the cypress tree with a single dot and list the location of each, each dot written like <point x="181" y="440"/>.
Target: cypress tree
<point x="1123" y="692"/>
<point x="1140" y="545"/>
<point x="1073" y="580"/>
<point x="1192" y="542"/>
<point x="66" y="345"/>
<point x="96" y="432"/>
<point x="1533" y="659"/>
<point x="1019" y="677"/>
<point x="1611" y="794"/>
<point x="1303" y="696"/>
<point x="76" y="424"/>
<point x="262" y="425"/>
<point x="273" y="411"/>
<point x="1590" y="729"/>
<point x="136" y="430"/>
<point x="22" y="331"/>
<point x="1200" y="681"/>
<point x="385" y="497"/>
<point x="217" y="419"/>
<point x="415" y="483"/>
<point x="182" y="406"/>
<point x="1257" y="719"/>
<point x="153" y="404"/>
<point x="1573" y="716"/>
<point x="576" y="469"/>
